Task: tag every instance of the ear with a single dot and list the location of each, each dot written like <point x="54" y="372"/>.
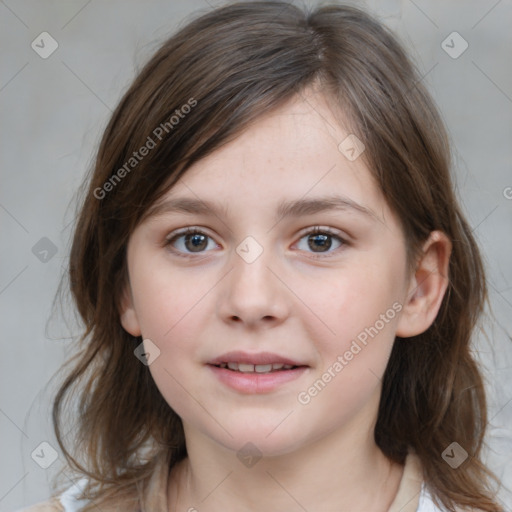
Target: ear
<point x="127" y="312"/>
<point x="427" y="286"/>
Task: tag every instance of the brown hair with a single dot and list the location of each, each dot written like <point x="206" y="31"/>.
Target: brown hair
<point x="230" y="66"/>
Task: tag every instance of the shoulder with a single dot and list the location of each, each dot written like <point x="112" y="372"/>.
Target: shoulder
<point x="52" y="505"/>
<point x="426" y="503"/>
<point x="414" y="495"/>
<point x="68" y="501"/>
<point x="72" y="500"/>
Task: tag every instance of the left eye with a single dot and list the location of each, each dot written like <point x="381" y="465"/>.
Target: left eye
<point x="321" y="239"/>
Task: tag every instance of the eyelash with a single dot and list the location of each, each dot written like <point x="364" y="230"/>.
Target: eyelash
<point x="316" y="230"/>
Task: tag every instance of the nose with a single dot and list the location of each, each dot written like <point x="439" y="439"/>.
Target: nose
<point x="254" y="294"/>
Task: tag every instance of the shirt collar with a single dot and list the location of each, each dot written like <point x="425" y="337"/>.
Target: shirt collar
<point x="406" y="499"/>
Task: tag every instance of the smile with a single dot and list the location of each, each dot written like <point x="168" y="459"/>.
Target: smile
<point x="256" y="372"/>
<point x="255" y="368"/>
<point x="256" y="379"/>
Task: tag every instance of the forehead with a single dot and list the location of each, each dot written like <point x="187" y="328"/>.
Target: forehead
<point x="295" y="151"/>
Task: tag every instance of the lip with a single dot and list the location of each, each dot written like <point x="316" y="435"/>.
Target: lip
<point x="255" y="383"/>
<point x="239" y="356"/>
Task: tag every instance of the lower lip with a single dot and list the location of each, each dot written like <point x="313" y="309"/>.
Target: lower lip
<point x="253" y="383"/>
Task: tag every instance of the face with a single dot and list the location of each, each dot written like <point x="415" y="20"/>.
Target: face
<point x="273" y="275"/>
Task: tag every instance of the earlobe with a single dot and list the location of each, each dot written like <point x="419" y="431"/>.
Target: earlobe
<point x="427" y="287"/>
<point x="127" y="313"/>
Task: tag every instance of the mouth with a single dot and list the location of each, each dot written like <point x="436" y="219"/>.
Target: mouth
<point x="256" y="368"/>
<point x="254" y="373"/>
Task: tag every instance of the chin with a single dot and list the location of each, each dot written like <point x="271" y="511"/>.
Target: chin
<point x="258" y="442"/>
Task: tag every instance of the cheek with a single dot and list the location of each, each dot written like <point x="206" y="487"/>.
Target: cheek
<point x="168" y="302"/>
<point x="361" y="311"/>
<point x="172" y="311"/>
<point x="353" y="300"/>
<point x="173" y="381"/>
<point x="363" y="316"/>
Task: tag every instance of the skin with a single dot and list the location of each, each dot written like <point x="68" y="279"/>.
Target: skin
<point x="318" y="456"/>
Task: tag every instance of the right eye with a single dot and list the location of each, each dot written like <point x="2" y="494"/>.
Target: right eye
<point x="187" y="242"/>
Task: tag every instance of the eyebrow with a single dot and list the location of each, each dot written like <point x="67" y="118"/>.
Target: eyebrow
<point x="295" y="208"/>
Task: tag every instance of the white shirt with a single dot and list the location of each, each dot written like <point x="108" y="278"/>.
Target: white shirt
<point x="412" y="496"/>
<point x="71" y="503"/>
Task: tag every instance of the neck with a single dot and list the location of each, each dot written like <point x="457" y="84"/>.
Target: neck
<point x="355" y="476"/>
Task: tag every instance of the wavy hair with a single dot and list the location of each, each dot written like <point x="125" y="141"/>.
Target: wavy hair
<point x="235" y="64"/>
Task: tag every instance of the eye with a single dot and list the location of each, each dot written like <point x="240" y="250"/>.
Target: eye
<point x="188" y="241"/>
<point x="194" y="241"/>
<point x="319" y="240"/>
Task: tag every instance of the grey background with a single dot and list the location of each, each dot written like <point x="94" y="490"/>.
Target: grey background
<point x="53" y="112"/>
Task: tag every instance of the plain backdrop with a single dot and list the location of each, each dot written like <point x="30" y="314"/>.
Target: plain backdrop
<point x="53" y="111"/>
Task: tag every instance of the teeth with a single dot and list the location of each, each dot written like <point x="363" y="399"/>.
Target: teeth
<point x="263" y="368"/>
<point x="255" y="368"/>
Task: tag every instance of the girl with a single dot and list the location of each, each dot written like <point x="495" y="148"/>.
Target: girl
<point x="277" y="285"/>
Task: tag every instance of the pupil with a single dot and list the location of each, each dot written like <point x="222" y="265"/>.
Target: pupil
<point x="322" y="241"/>
<point x="198" y="241"/>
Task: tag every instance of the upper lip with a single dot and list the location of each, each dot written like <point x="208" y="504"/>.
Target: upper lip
<point x="238" y="356"/>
